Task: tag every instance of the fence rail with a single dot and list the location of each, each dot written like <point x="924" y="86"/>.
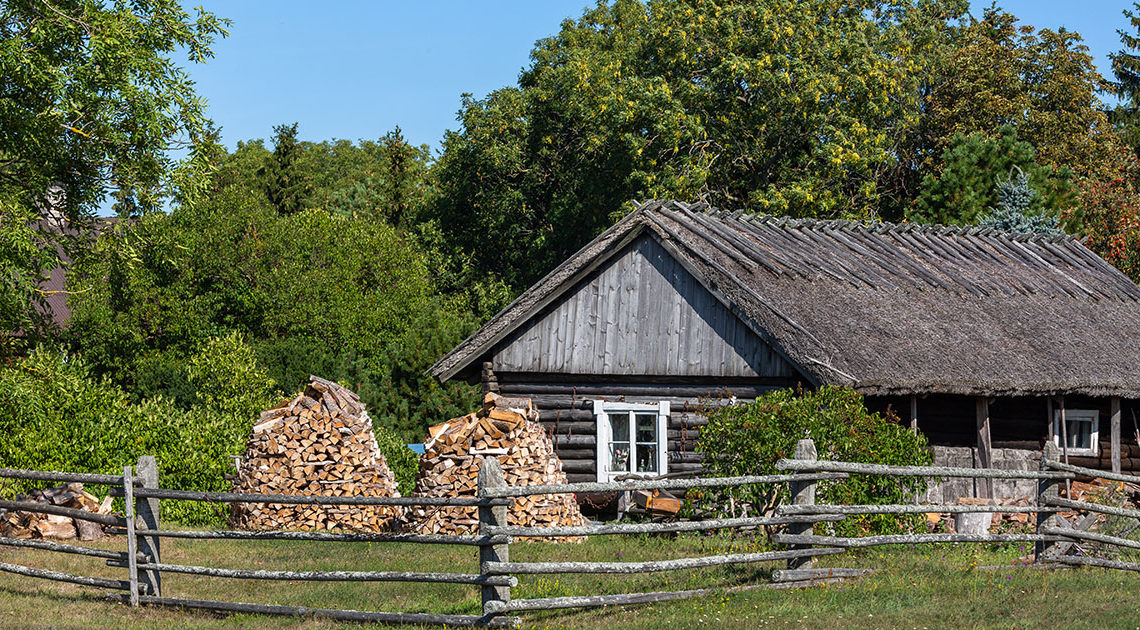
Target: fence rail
<point x="498" y="573"/>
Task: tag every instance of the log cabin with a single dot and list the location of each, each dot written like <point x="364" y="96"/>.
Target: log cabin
<point x="980" y="339"/>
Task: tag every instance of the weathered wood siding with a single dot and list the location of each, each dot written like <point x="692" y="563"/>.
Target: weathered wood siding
<point x="641" y="314"/>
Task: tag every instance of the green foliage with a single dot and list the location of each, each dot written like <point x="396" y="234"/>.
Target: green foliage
<point x="25" y="259"/>
<point x="92" y="99"/>
<point x="348" y="298"/>
<point x="1126" y="68"/>
<point x="748" y="439"/>
<point x="56" y="415"/>
<point x="967" y="186"/>
<point x="286" y="184"/>
<point x="1109" y="214"/>
<point x="1014" y="208"/>
<point x="403" y="461"/>
<point x="790" y="107"/>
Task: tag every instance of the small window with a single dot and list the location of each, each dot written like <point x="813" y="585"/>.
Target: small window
<point x="631" y="439"/>
<point x="1081" y="431"/>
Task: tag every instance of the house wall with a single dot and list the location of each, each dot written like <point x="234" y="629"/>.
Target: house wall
<point x="566" y="412"/>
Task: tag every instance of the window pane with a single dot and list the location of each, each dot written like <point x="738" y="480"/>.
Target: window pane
<point x="646" y="428"/>
<point x="646" y="458"/>
<point x="619" y="456"/>
<point x="619" y="427"/>
<point x="1079" y="433"/>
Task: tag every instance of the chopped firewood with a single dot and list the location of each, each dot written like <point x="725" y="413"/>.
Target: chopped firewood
<point x="505" y="428"/>
<point x="318" y="444"/>
<point x="20" y="524"/>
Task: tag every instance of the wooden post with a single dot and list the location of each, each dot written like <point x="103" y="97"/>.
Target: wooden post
<point x="803" y="493"/>
<point x="147" y="512"/>
<point x="1114" y="433"/>
<point x="1065" y="444"/>
<point x="984" y="488"/>
<point x="132" y="542"/>
<point x="491" y="476"/>
<point x="1046" y="489"/>
<point x="913" y="413"/>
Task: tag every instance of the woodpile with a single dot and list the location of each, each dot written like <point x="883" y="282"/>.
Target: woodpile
<point x="318" y="444"/>
<point x="506" y="428"/>
<point x="19" y="524"/>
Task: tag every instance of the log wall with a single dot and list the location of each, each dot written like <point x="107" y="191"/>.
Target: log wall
<point x="566" y="412"/>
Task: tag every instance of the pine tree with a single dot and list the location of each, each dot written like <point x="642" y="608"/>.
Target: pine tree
<point x="1126" y="69"/>
<point x="1014" y="207"/>
<point x="286" y="185"/>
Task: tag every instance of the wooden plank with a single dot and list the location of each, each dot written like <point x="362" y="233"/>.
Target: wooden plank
<point x="46" y="508"/>
<point x="652" y="566"/>
<point x="1114" y="432"/>
<point x="905" y="539"/>
<point x="147" y="510"/>
<point x="419" y="539"/>
<point x="655" y="528"/>
<point x="132" y="540"/>
<point x="983" y="487"/>
<point x="47" y="545"/>
<point x="329" y="576"/>
<point x="796" y="575"/>
<point x="790" y="510"/>
<point x="824" y="465"/>
<point x="296" y="499"/>
<point x="58" y="576"/>
<point x="654" y="484"/>
<point x="64" y="477"/>
<point x="803" y="495"/>
<point x="490" y="479"/>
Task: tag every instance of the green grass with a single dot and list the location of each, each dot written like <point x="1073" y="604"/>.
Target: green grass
<point x="932" y="587"/>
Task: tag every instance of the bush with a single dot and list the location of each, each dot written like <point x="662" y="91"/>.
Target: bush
<point x="55" y="415"/>
<point x="748" y="439"/>
<point x="403" y="461"/>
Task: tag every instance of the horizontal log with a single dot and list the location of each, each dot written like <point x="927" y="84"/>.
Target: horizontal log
<point x="683" y="452"/>
<point x="1080" y="470"/>
<point x="683" y="434"/>
<point x="575" y="453"/>
<point x="296" y="499"/>
<point x="550" y="403"/>
<point x="555" y="603"/>
<point x="654" y="484"/>
<point x="566" y="415"/>
<point x="685" y="467"/>
<point x="1104" y="563"/>
<point x="57" y="576"/>
<point x="906" y="539"/>
<point x="574" y="440"/>
<point x="64" y="477"/>
<point x="327" y="576"/>
<point x="654" y="528"/>
<point x="58" y="510"/>
<point x="580" y="477"/>
<point x="423" y="539"/>
<point x="1026" y="445"/>
<point x="47" y="545"/>
<point x="579" y="465"/>
<point x="652" y="566"/>
<point x="1093" y="536"/>
<point x="916" y="471"/>
<point x="1092" y="507"/>
<point x="783" y="586"/>
<point x="570" y="428"/>
<point x="427" y="619"/>
<point x="911" y="509"/>
<point x="797" y="575"/>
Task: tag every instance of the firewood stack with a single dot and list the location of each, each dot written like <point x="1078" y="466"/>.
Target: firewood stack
<point x="36" y="525"/>
<point x="506" y="428"/>
<point x="318" y="444"/>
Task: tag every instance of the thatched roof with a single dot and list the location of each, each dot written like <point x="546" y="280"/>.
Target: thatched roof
<point x="886" y="308"/>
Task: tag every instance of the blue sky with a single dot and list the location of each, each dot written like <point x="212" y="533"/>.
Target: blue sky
<point x="357" y="69"/>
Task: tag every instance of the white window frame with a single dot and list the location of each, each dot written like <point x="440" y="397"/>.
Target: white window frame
<point x="1078" y="415"/>
<point x="602" y="410"/>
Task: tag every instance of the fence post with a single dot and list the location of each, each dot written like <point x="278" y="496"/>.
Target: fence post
<point x="1046" y="489"/>
<point x="803" y="493"/>
<point x="132" y="542"/>
<point x="147" y="511"/>
<point x="491" y="476"/>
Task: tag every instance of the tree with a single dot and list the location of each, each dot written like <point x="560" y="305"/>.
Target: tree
<point x="967" y="186"/>
<point x="287" y="185"/>
<point x="92" y="100"/>
<point x="26" y="257"/>
<point x="1126" y="69"/>
<point x="789" y="107"/>
<point x="1014" y="211"/>
<point x="1109" y="213"/>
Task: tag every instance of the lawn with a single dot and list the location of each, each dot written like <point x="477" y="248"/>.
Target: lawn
<point x="933" y="587"/>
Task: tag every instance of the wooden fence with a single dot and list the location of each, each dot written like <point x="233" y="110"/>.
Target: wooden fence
<point x="142" y="558"/>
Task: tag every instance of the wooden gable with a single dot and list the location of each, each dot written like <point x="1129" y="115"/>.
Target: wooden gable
<point x="641" y="313"/>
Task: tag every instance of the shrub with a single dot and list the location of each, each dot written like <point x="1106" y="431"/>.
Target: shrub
<point x="403" y="461"/>
<point x="748" y="439"/>
<point x="55" y="415"/>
